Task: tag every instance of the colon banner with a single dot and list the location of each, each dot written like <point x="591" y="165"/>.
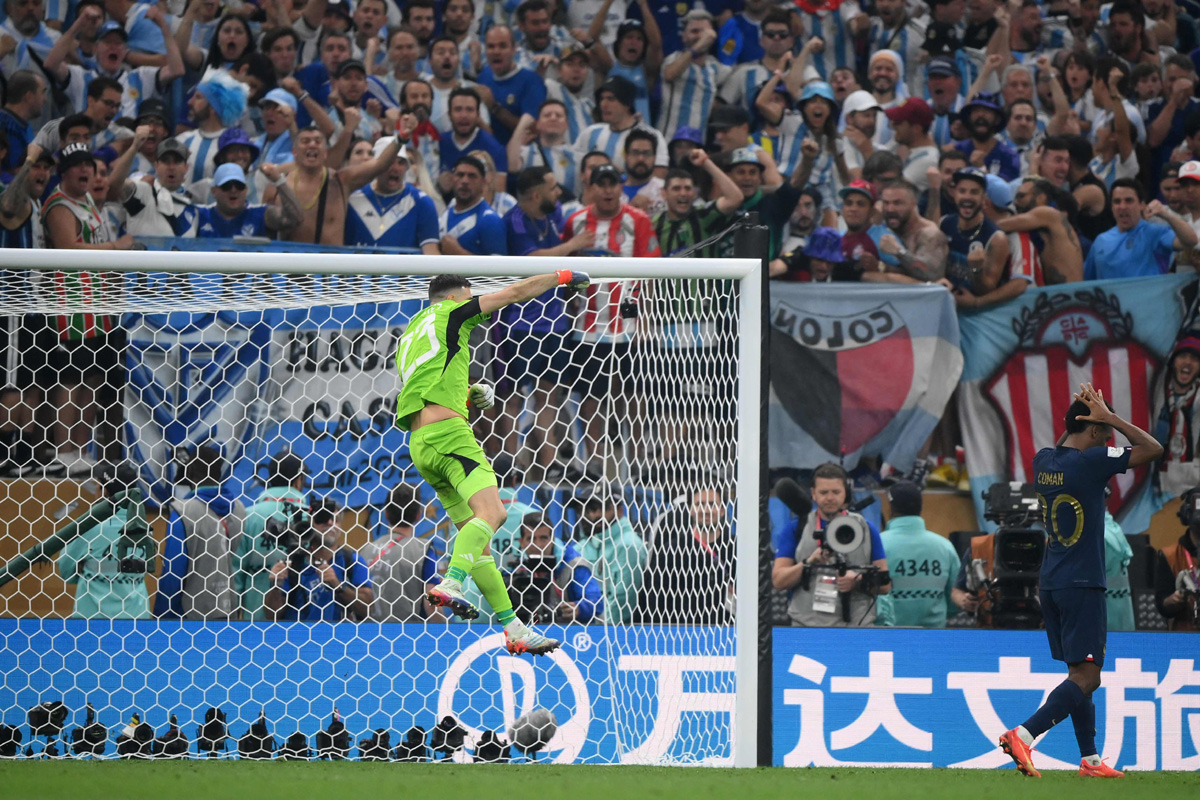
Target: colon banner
<point x="858" y="370"/>
<point x="1024" y="359"/>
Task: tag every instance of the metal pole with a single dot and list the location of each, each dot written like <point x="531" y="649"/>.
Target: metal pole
<point x="752" y="726"/>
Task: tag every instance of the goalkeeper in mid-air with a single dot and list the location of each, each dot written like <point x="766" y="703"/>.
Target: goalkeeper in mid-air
<point x="434" y="359"/>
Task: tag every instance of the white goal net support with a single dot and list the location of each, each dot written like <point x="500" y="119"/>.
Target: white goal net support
<point x="215" y="543"/>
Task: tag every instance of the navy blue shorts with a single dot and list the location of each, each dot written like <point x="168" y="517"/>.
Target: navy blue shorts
<point x="1076" y="624"/>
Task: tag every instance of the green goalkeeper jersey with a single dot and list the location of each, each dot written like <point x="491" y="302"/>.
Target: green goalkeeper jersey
<point x="434" y="358"/>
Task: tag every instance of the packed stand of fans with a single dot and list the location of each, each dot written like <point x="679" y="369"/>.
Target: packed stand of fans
<point x="983" y="146"/>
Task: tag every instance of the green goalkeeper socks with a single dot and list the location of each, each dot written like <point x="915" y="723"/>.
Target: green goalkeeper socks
<point x="468" y="548"/>
<point x="491" y="583"/>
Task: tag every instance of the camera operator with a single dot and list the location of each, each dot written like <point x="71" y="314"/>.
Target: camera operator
<point x="317" y="583"/>
<point x="1177" y="570"/>
<point x="109" y="584"/>
<point x="924" y="564"/>
<point x="830" y="589"/>
<point x="552" y="582"/>
<point x="258" y="552"/>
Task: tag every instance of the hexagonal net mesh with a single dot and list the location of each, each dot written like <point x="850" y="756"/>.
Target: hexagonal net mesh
<point x="216" y="542"/>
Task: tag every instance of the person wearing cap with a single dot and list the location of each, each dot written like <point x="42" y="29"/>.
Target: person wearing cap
<point x="158" y="204"/>
<point x="945" y="83"/>
<point x="615" y="100"/>
<point x="610" y="222"/>
<point x="984" y="119"/>
<point x="391" y="212"/>
<point x="686" y="140"/>
<point x="682" y="224"/>
<point x="817" y="262"/>
<point x="777" y="41"/>
<point x="858" y="203"/>
<point x="637" y="56"/>
<point x="25" y="100"/>
<point x="910" y="122"/>
<point x="570" y="87"/>
<point x="1188" y="181"/>
<point x="350" y="83"/>
<point x="691" y="77"/>
<point x="235" y="147"/>
<point x="103" y="103"/>
<point x="147" y="36"/>
<point x="217" y="104"/>
<point x="230" y="215"/>
<point x="999" y="199"/>
<point x="255" y="553"/>
<point x="1172" y="192"/>
<point x="968" y="232"/>
<point x="326" y="191"/>
<point x="543" y="142"/>
<point x="896" y="30"/>
<point x="730" y="126"/>
<point x="152" y="114"/>
<point x="465" y="135"/>
<point x="587" y="195"/>
<point x="279" y="109"/>
<point x="21" y="204"/>
<point x="885" y="79"/>
<point x="469" y="226"/>
<point x="112" y="49"/>
<point x="70" y="215"/>
<point x="810" y="148"/>
<point x="860" y="123"/>
<point x="514" y="89"/>
<point x="924" y="565"/>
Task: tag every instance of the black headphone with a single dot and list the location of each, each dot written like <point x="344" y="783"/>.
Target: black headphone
<point x="845" y="476"/>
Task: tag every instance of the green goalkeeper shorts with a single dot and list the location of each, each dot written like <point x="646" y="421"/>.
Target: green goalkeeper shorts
<point x="452" y="462"/>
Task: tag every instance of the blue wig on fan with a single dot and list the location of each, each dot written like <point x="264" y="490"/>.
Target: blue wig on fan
<point x="225" y="93"/>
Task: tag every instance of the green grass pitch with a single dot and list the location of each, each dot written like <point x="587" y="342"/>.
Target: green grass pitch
<point x="245" y="780"/>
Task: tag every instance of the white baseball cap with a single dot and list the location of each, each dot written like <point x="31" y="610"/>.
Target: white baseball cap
<point x="383" y="143"/>
<point x="859" y="101"/>
<point x="1190" y="171"/>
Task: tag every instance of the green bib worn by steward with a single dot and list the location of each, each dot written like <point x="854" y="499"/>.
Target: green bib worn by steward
<point x="434" y="362"/>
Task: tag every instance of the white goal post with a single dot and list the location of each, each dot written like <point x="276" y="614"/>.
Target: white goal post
<point x="110" y="297"/>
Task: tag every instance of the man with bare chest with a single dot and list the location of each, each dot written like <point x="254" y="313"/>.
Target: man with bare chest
<point x="911" y="248"/>
<point x="324" y="192"/>
<point x="1061" y="259"/>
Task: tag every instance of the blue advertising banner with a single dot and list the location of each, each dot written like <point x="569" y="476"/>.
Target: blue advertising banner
<point x="632" y="695"/>
<point x="941" y="698"/>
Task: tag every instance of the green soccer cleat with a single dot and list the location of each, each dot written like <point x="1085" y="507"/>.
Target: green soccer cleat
<point x="448" y="594"/>
<point x="529" y="641"/>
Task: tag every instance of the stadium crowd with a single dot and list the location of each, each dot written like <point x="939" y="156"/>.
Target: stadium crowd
<point x="980" y="145"/>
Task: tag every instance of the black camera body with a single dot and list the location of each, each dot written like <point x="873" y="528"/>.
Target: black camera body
<point x="534" y="595"/>
<point x="1018" y="548"/>
<point x="1189" y="508"/>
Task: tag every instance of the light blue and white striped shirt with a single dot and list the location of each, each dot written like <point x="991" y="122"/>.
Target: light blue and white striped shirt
<point x="833" y="29"/>
<point x="203" y="148"/>
<point x="561" y="158"/>
<point x="580" y="107"/>
<point x="688" y="99"/>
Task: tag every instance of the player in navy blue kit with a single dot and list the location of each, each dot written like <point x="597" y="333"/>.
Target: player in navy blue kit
<point x="1070" y="481"/>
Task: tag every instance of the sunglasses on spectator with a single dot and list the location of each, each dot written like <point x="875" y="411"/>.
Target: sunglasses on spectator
<point x="777" y="34"/>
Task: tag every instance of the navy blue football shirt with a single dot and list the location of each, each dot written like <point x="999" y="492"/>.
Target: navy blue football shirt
<point x="1071" y="485"/>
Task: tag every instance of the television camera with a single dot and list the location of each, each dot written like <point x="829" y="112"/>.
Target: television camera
<point x="1011" y="585"/>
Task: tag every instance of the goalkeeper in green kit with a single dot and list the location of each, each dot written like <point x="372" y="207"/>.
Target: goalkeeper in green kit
<point x="434" y="359"/>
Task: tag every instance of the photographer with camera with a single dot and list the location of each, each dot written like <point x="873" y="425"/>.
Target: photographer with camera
<point x="1177" y="571"/>
<point x="259" y="551"/>
<point x="924" y="565"/>
<point x="108" y="562"/>
<point x="834" y="566"/>
<point x="552" y="583"/>
<point x="316" y="583"/>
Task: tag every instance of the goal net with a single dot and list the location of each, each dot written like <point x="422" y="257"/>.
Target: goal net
<point x="215" y="543"/>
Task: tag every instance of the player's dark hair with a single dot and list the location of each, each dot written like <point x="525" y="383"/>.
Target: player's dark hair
<point x="677" y="174"/>
<point x="531" y="178"/>
<point x="443" y="38"/>
<point x="411" y="4"/>
<point x="640" y="135"/>
<point x="1079" y="150"/>
<point x="1129" y="183"/>
<point x="1080" y="409"/>
<point x="102" y="84"/>
<point x="776" y="16"/>
<point x="275" y="34"/>
<point x="903" y="185"/>
<point x="442" y="285"/>
<point x="881" y="162"/>
<point x="526" y="7"/>
<point x="536" y="519"/>
<point x="403" y="506"/>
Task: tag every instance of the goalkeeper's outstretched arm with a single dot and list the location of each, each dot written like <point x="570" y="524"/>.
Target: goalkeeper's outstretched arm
<point x="529" y="288"/>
